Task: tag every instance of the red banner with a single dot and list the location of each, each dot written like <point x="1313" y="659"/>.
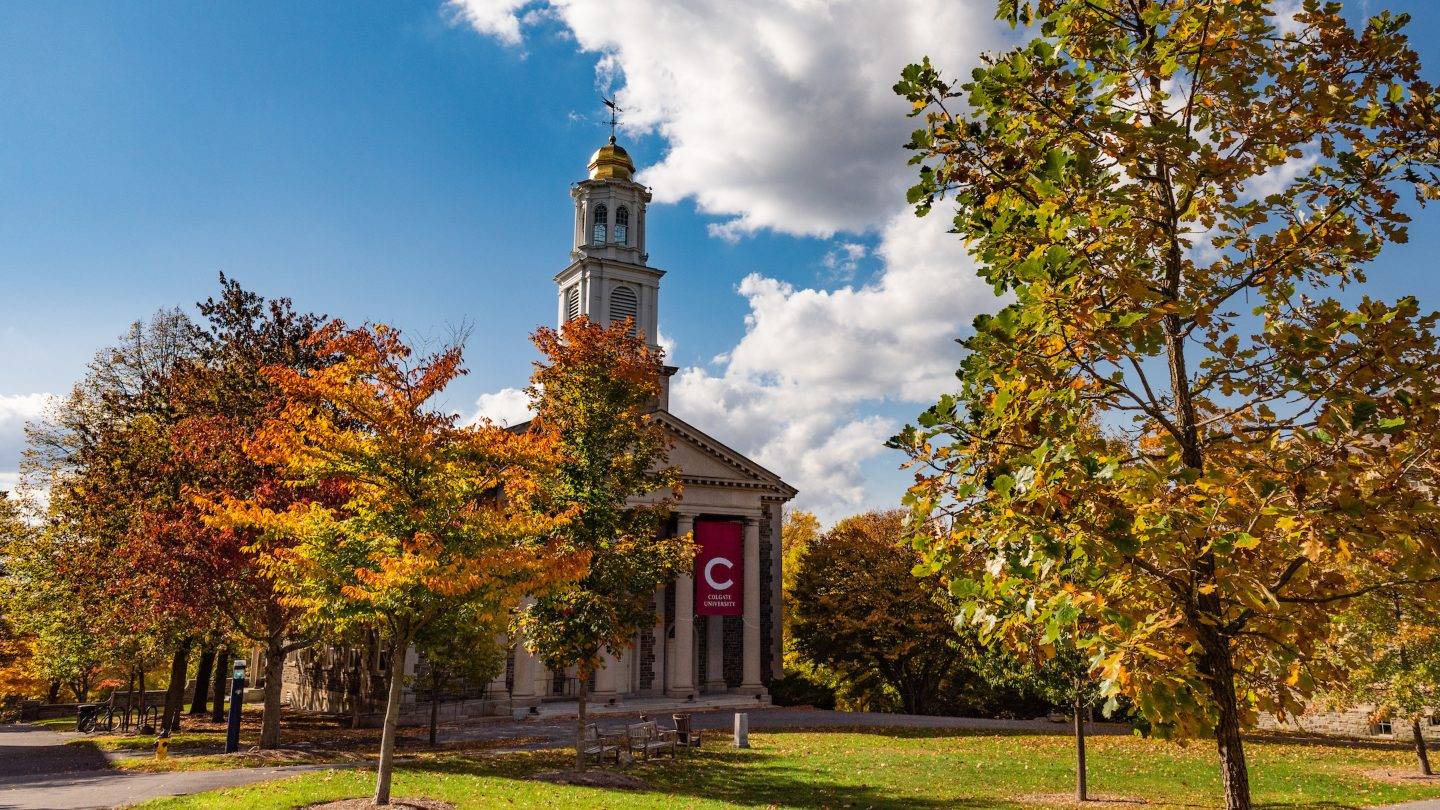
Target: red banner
<point x="719" y="569"/>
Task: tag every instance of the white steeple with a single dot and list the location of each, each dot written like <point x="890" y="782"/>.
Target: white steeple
<point x="608" y="279"/>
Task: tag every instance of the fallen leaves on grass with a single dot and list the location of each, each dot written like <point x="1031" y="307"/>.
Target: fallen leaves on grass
<point x="403" y="803"/>
<point x="600" y="779"/>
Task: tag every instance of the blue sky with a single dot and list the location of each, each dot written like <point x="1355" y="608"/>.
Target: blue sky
<point x="409" y="162"/>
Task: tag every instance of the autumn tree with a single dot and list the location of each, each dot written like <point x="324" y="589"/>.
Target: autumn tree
<point x="798" y="533"/>
<point x="1390" y="643"/>
<point x="437" y="517"/>
<point x="56" y="620"/>
<point x="858" y="610"/>
<point x="594" y="395"/>
<point x="20" y="675"/>
<point x="224" y="399"/>
<point x="1170" y="194"/>
<point x="118" y="525"/>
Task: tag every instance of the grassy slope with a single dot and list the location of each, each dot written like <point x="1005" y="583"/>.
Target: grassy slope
<point x="899" y="769"/>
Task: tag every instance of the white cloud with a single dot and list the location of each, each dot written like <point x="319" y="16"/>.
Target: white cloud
<point x="1284" y="17"/>
<point x="794" y="391"/>
<point x="15" y="411"/>
<point x="843" y="260"/>
<point x="497" y="18"/>
<point x="510" y="406"/>
<point x="779" y="115"/>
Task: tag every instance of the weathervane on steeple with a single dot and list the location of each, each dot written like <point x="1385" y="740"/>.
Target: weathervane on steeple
<point x="614" y="115"/>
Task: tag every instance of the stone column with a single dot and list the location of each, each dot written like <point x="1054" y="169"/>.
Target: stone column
<point x="682" y="668"/>
<point x="715" y="654"/>
<point x="522" y="692"/>
<point x="657" y="661"/>
<point x="750" y="682"/>
<point x="607" y="678"/>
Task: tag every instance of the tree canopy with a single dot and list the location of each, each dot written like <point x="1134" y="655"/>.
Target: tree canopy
<point x="1184" y="393"/>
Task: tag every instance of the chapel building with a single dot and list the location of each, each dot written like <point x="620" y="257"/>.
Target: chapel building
<point x="717" y="630"/>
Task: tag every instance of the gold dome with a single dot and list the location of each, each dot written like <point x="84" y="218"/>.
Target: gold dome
<point x="611" y="162"/>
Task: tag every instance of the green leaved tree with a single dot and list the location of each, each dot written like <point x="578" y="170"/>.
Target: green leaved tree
<point x="594" y="397"/>
<point x="1176" y="398"/>
<point x="1391" y="645"/>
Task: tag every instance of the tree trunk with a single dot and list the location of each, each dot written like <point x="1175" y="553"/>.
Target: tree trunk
<point x="53" y="693"/>
<point x="222" y="673"/>
<point x="357" y="694"/>
<point x="140" y="720"/>
<point x="392" y="718"/>
<point x="1215" y="665"/>
<point x="434" y="704"/>
<point x="198" y="703"/>
<point x="1422" y="754"/>
<point x="1081" y="794"/>
<point x="274" y="672"/>
<point x="175" y="690"/>
<point x="582" y="691"/>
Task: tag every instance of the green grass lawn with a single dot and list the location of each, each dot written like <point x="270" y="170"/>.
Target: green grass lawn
<point x="894" y="769"/>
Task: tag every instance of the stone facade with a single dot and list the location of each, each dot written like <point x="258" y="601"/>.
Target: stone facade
<point x="1356" y="721"/>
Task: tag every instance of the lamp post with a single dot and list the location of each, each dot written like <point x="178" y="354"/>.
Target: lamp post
<point x="237" y="697"/>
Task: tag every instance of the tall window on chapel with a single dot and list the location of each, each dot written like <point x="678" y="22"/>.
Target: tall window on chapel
<point x="624" y="304"/>
<point x="622" y="225"/>
<point x="601" y="218"/>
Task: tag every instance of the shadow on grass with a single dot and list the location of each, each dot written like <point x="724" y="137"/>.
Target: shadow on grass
<point x="739" y="777"/>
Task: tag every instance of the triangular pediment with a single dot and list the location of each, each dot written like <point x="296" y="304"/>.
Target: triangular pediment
<point x="704" y="459"/>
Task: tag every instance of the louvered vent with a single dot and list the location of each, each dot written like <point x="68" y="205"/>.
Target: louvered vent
<point x="623" y="304"/>
<point x="572" y="303"/>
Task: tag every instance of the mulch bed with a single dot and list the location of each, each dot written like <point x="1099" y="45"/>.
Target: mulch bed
<point x="1399" y="776"/>
<point x="402" y="803"/>
<point x="1095" y="800"/>
<point x="601" y="779"/>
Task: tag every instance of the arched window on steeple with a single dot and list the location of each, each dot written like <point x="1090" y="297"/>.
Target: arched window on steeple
<point x="622" y="224"/>
<point x="572" y="303"/>
<point x="601" y="218"/>
<point x="624" y="304"/>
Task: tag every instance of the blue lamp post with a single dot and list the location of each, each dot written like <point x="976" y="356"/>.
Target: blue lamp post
<point x="237" y="697"/>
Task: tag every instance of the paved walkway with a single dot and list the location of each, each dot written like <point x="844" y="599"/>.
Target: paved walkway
<point x="39" y="771"/>
<point x="103" y="789"/>
<point x="550" y="730"/>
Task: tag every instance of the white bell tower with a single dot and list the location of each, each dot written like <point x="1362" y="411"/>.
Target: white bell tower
<point x="608" y="279"/>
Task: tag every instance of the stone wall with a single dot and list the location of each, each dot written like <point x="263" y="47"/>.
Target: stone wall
<point x="767" y="589"/>
<point x="734" y="650"/>
<point x="1357" y="721"/>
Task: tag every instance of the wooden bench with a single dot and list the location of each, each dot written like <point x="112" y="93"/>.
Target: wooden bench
<point x="600" y="746"/>
<point x="649" y="739"/>
<point x="686" y="735"/>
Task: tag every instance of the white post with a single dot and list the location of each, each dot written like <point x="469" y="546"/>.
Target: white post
<point x="522" y="692"/>
<point x="682" y="668"/>
<point x="742" y="730"/>
<point x="750" y="682"/>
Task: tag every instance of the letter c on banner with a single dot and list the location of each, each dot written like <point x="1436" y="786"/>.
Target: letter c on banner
<point x="710" y="573"/>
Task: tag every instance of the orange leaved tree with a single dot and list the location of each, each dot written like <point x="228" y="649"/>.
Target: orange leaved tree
<point x="440" y="517"/>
